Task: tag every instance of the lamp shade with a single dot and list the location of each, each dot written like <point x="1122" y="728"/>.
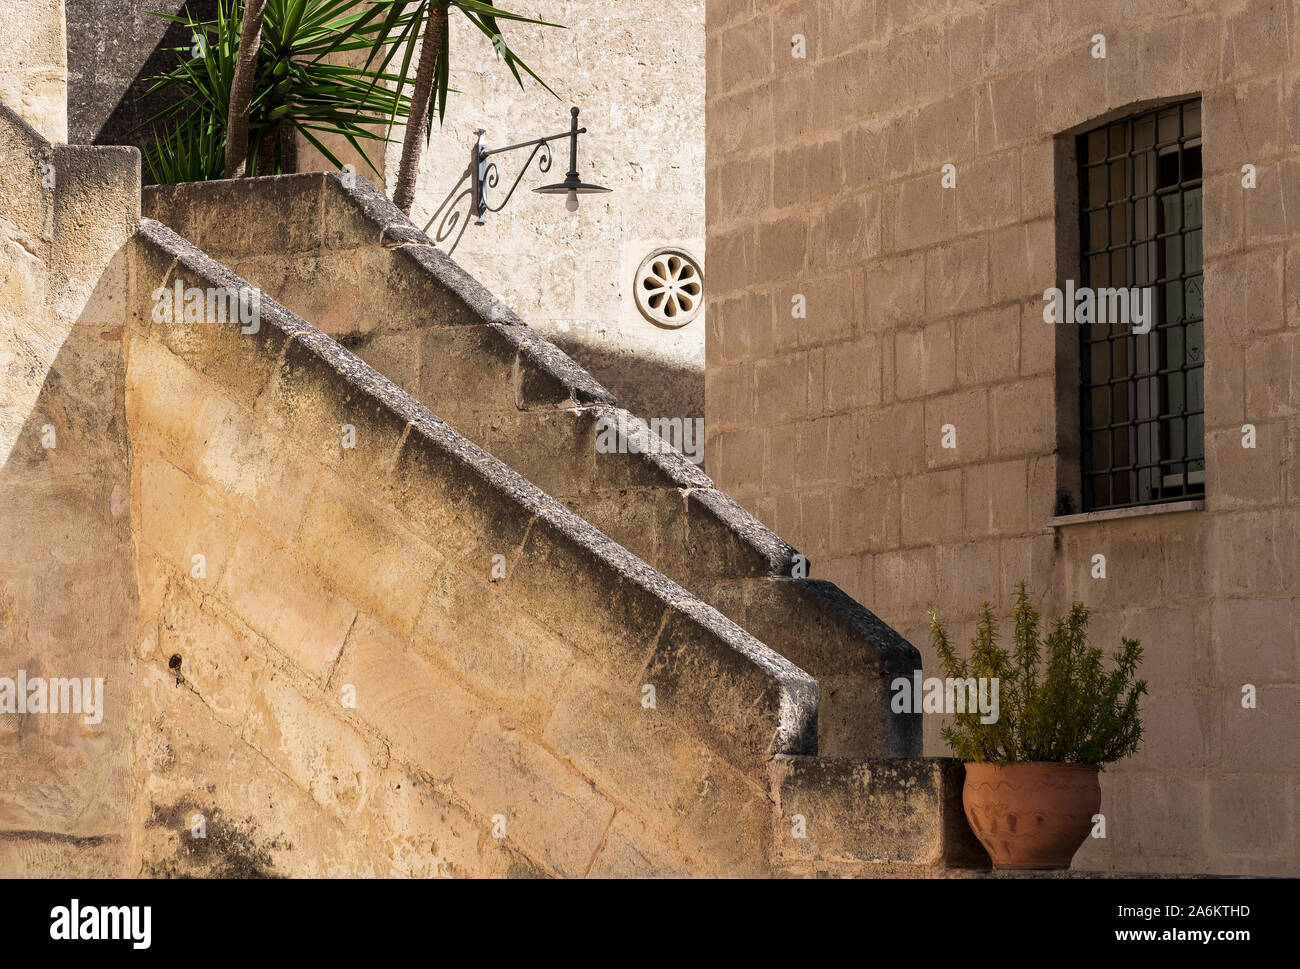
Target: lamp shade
<point x="571" y="188"/>
<point x="572" y="184"/>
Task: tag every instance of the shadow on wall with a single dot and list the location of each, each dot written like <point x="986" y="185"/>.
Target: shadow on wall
<point x="113" y="47"/>
<point x="67" y="590"/>
<point x="645" y="386"/>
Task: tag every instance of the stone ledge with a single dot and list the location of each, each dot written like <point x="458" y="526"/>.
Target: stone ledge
<point x="874" y="816"/>
<point x="1137" y="511"/>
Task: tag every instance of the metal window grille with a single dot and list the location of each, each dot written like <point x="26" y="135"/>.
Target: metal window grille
<point x="1142" y="395"/>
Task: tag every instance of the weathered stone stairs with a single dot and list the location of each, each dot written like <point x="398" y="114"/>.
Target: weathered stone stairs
<point x="438" y="334"/>
<point x="372" y="640"/>
<point x="435" y="332"/>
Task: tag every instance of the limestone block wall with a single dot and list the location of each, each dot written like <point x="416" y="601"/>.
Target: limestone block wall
<point x="417" y="317"/>
<point x="924" y="308"/>
<point x="67" y="591"/>
<point x="113" y="48"/>
<point x="872" y="818"/>
<point x="636" y="69"/>
<point x="346" y="681"/>
<point x="34" y="65"/>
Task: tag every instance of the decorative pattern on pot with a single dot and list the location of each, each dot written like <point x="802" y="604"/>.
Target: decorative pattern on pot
<point x="1031" y="815"/>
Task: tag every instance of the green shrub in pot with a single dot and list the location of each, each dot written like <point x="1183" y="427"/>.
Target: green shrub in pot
<point x="1031" y="779"/>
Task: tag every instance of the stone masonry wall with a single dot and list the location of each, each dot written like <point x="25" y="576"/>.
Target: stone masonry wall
<point x="924" y="308"/>
<point x="34" y="65"/>
<point x="636" y="69"/>
<point x="641" y="90"/>
<point x="67" y="590"/>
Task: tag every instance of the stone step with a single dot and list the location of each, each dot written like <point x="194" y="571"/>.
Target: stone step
<point x="875" y="817"/>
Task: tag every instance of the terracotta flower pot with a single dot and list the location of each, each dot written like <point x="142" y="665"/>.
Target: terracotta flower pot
<point x="1032" y="815"/>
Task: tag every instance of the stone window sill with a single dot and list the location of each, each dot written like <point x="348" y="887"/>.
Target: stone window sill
<point x="1139" y="511"/>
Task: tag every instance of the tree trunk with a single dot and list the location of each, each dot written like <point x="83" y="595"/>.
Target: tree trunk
<point x="264" y="163"/>
<point x="412" y="144"/>
<point x="241" y="88"/>
<point x="288" y="136"/>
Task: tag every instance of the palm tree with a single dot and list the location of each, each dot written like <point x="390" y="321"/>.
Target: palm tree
<point x="299" y="89"/>
<point x="432" y="72"/>
<point x="431" y="63"/>
<point x="241" y="88"/>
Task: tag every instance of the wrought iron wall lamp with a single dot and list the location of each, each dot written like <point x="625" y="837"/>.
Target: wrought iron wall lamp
<point x="483" y="175"/>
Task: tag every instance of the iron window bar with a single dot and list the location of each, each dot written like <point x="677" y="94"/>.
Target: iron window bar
<point x="1137" y="179"/>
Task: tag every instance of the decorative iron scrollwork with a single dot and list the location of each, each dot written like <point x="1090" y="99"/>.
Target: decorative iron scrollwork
<point x="543" y="165"/>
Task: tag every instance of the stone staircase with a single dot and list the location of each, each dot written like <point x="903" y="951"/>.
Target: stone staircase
<point x="395" y="613"/>
<point x="435" y="332"/>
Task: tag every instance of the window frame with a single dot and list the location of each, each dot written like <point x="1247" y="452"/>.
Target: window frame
<point x="1151" y="476"/>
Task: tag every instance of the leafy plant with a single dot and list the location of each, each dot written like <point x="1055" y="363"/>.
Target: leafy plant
<point x="194" y="151"/>
<point x="1057" y="702"/>
<point x="295" y="87"/>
